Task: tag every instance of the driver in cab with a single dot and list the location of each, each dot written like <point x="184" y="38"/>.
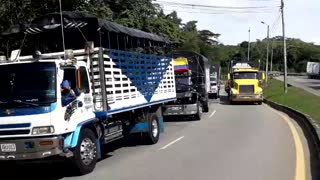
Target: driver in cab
<point x="68" y="94"/>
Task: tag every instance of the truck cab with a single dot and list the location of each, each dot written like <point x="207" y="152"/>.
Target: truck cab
<point x="245" y="84"/>
<point x="214" y="87"/>
<point x="33" y="101"/>
<point x="192" y="85"/>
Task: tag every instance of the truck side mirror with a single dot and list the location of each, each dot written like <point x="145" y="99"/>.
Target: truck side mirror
<point x="263" y="76"/>
<point x="229" y="76"/>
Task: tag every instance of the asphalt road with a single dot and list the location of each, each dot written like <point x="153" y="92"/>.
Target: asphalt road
<point x="311" y="85"/>
<point x="239" y="142"/>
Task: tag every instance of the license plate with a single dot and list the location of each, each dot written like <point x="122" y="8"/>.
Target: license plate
<point x="175" y="108"/>
<point x="8" y="148"/>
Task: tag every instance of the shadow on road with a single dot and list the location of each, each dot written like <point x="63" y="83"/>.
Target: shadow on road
<point x="313" y="82"/>
<point x="51" y="170"/>
<point x="224" y="100"/>
<point x="179" y="119"/>
<point x="57" y="168"/>
<point x="315" y="87"/>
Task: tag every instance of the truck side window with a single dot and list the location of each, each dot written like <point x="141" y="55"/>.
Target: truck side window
<point x="70" y="75"/>
<point x="84" y="81"/>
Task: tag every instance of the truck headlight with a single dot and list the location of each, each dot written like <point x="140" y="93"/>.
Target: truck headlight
<point x="43" y="130"/>
<point x="234" y="91"/>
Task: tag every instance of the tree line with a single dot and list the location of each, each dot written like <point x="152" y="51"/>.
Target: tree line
<point x="148" y="16"/>
<point x="298" y="53"/>
<point x="139" y="14"/>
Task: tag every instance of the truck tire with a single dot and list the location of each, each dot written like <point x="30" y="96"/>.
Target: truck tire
<point x="199" y="113"/>
<point x="205" y="106"/>
<point x="153" y="134"/>
<point x="85" y="155"/>
<point x="259" y="102"/>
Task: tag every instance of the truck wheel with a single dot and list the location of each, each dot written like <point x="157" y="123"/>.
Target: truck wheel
<point x="153" y="134"/>
<point x="199" y="113"/>
<point x="205" y="106"/>
<point x="259" y="102"/>
<point x="85" y="154"/>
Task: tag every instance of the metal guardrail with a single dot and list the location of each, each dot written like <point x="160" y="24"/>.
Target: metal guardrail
<point x="276" y="73"/>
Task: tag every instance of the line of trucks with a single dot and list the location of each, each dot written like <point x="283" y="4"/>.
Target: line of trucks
<point x="93" y="87"/>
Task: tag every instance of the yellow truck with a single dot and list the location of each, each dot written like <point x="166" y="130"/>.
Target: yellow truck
<point x="245" y="84"/>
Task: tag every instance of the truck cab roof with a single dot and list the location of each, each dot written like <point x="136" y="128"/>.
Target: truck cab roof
<point x="245" y="70"/>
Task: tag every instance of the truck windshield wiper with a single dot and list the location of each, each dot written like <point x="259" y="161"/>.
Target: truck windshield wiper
<point x="25" y="102"/>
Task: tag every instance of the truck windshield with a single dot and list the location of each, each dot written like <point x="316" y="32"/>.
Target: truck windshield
<point x="27" y="84"/>
<point x="245" y="75"/>
<point x="213" y="79"/>
<point x="183" y="83"/>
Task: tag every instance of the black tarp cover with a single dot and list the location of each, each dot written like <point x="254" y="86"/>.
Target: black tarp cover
<point x="77" y="17"/>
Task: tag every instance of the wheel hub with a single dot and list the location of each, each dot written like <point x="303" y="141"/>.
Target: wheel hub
<point x="154" y="128"/>
<point x="88" y="151"/>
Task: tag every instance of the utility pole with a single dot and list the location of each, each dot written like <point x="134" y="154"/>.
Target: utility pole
<point x="284" y="49"/>
<point x="267" y="63"/>
<point x="249" y="46"/>
<point x="271" y="59"/>
<point x="62" y="31"/>
<point x="267" y="60"/>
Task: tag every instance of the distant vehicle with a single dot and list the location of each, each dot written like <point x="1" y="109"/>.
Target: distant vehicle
<point x="244" y="83"/>
<point x="192" y="81"/>
<point x="214" y="90"/>
<point x="313" y="70"/>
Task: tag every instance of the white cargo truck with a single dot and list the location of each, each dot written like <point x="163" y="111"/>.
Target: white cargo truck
<point x="313" y="70"/>
<point x="214" y="91"/>
<point x="69" y="103"/>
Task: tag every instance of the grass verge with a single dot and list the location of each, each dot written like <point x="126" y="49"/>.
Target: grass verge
<point x="296" y="98"/>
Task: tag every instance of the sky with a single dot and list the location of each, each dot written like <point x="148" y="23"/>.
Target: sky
<point x="302" y="18"/>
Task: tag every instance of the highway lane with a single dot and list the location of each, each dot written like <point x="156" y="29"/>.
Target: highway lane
<point x="310" y="85"/>
<point x="230" y="142"/>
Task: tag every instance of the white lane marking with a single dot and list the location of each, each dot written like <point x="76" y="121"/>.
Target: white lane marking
<point x="212" y="113"/>
<point x="164" y="147"/>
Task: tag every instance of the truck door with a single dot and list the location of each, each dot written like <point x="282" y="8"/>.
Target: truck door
<point x="84" y="87"/>
<point x="79" y="108"/>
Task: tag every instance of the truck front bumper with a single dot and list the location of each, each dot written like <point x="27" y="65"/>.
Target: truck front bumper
<point x="213" y="92"/>
<point x="246" y="97"/>
<point x="175" y="110"/>
<point x="33" y="148"/>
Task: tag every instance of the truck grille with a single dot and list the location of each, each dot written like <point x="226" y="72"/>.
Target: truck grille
<point x="246" y="88"/>
<point x="14" y="132"/>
